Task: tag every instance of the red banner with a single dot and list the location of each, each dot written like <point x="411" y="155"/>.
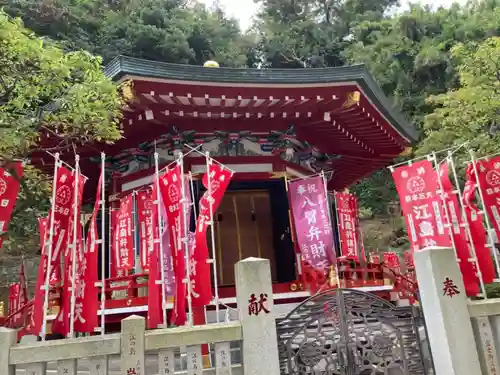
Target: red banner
<point x="15" y="303"/>
<point x="458" y="233"/>
<point x="113" y="219"/>
<point x="18" y="297"/>
<point x="61" y="324"/>
<point x="124" y="239"/>
<point x="489" y="182"/>
<point x="86" y="319"/>
<point x="36" y="318"/>
<point x="155" y="296"/>
<point x="199" y="269"/>
<point x="61" y="230"/>
<point x="417" y="186"/>
<point x="171" y="193"/>
<point x="10" y="182"/>
<point x="312" y="223"/>
<point x="478" y="232"/>
<point x="348" y="228"/>
<point x="145" y="208"/>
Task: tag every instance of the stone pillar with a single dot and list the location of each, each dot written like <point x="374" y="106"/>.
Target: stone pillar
<point x="446" y="313"/>
<point x="132" y="345"/>
<point x="254" y="296"/>
<point x="8" y="338"/>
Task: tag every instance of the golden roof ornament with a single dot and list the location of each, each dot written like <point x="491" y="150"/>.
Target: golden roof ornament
<point x="211" y="64"/>
<point x="352" y="99"/>
<point x="406" y="152"/>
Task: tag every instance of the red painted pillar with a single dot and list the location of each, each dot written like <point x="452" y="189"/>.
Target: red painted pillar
<point x="199" y="320"/>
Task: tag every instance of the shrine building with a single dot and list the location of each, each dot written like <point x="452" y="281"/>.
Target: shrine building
<point x="269" y="126"/>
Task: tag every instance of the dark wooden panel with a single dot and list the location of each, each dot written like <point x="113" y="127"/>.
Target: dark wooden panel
<point x="263" y="226"/>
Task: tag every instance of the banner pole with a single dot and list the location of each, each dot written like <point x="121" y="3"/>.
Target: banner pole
<point x="485" y="213"/>
<point x="212" y="234"/>
<point x="185" y="241"/>
<point x="74" y="245"/>
<point x="160" y="242"/>
<point x="103" y="245"/>
<point x="48" y="253"/>
<point x="325" y="184"/>
<point x="451" y="163"/>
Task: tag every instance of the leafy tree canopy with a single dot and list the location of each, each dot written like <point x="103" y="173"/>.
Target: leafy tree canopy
<point x="49" y="100"/>
<point x="470" y="113"/>
<point x="438" y="66"/>
<point x="175" y="31"/>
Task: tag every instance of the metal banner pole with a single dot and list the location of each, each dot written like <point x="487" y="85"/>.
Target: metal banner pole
<point x="102" y="242"/>
<point x="212" y="233"/>
<point x="466" y="223"/>
<point x="185" y="241"/>
<point x="74" y="246"/>
<point x="48" y="252"/>
<point x="160" y="242"/>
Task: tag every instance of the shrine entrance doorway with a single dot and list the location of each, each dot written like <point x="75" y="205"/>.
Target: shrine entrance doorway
<point x="349" y="332"/>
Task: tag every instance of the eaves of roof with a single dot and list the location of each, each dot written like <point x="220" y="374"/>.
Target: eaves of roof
<point x="123" y="65"/>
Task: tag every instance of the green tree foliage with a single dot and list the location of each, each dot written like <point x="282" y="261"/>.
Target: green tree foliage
<point x="438" y="66"/>
<point x="49" y="100"/>
<point x="304" y="33"/>
<point x="470" y="113"/>
<point x="416" y="59"/>
<point x="175" y="31"/>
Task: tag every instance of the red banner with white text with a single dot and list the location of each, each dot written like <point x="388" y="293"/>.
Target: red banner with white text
<point x="61" y="324"/>
<point x="113" y="220"/>
<point x="348" y="224"/>
<point x="417" y="186"/>
<point x="123" y="236"/>
<point x="10" y="182"/>
<point x="171" y="193"/>
<point x="155" y="295"/>
<point x="478" y="232"/>
<point x="458" y="233"/>
<point x="15" y="303"/>
<point x="61" y="231"/>
<point x="312" y="223"/>
<point x="87" y="303"/>
<point x="489" y="182"/>
<point x="145" y="211"/>
<point x="36" y="318"/>
<point x="199" y="268"/>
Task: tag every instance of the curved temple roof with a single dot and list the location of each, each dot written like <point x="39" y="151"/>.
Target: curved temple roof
<point x="122" y="66"/>
<point x="332" y="119"/>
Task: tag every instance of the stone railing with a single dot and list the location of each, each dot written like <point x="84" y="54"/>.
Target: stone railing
<point x="137" y="351"/>
<point x="464" y="335"/>
<point x="133" y="351"/>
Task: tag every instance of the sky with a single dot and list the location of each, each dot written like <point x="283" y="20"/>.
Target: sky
<point x="244" y="10"/>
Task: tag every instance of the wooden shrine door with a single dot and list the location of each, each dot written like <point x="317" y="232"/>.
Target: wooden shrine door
<point x="243" y="228"/>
